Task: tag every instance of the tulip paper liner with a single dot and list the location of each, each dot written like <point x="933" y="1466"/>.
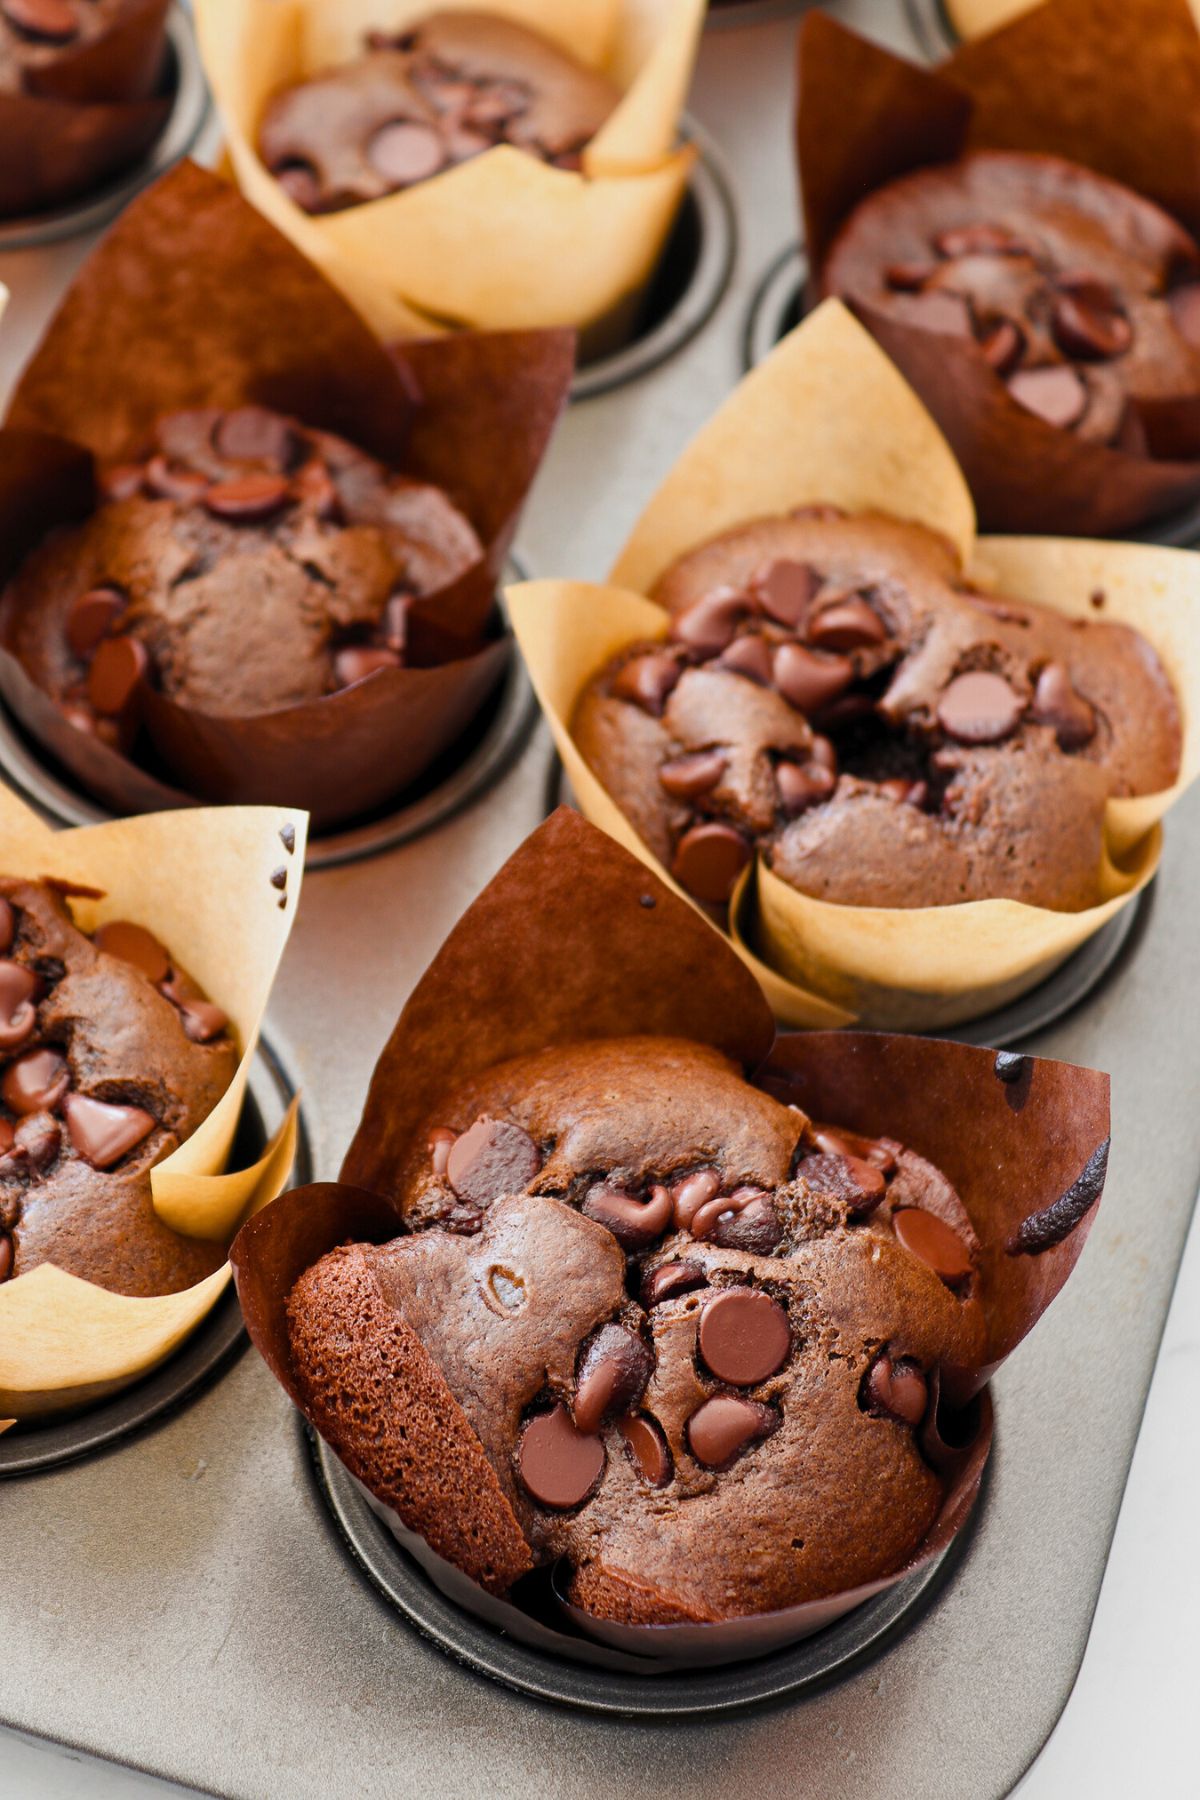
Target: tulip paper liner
<point x="827" y="418"/>
<point x="254" y="322"/>
<point x="86" y="115"/>
<point x="1023" y="1139"/>
<point x="503" y="241"/>
<point x="1111" y="84"/>
<point x="201" y="881"/>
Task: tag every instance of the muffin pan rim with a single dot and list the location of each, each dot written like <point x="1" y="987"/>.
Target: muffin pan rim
<point x="932" y="28"/>
<point x="185" y="122"/>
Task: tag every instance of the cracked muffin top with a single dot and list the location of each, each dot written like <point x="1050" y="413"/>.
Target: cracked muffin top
<point x="437" y="93"/>
<point x="244" y="563"/>
<point x="1082" y="295"/>
<point x="645" y="1313"/>
<point x="110" y="1056"/>
<point x="832" y="693"/>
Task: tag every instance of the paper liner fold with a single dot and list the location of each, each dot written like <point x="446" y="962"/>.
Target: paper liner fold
<point x="1111" y="84"/>
<point x="201" y="881"/>
<point x="458" y="250"/>
<point x="254" y="322"/>
<point x="87" y="115"/>
<point x="1022" y="1138"/>
<point x="827" y="418"/>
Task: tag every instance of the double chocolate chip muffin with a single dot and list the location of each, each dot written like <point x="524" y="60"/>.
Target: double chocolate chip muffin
<point x="110" y="1055"/>
<point x="437" y="93"/>
<point x="1083" y="297"/>
<point x="244" y="563"/>
<point x="649" y="1320"/>
<point x="832" y="693"/>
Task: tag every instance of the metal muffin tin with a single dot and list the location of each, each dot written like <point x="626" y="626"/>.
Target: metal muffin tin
<point x="184" y="77"/>
<point x="197" y="1574"/>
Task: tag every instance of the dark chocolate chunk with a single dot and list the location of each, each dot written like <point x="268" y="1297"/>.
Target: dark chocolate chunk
<point x="752" y="1226"/>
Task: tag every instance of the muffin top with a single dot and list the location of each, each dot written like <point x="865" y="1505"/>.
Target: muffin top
<point x="437" y="93"/>
<point x="243" y="564"/>
<point x="833" y="693"/>
<point x="34" y="33"/>
<point x="650" y="1320"/>
<point x="110" y="1056"/>
<point x="1082" y="295"/>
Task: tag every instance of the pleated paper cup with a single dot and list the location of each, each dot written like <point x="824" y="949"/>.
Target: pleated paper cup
<point x="826" y="418"/>
<point x="503" y="241"/>
<point x="206" y="882"/>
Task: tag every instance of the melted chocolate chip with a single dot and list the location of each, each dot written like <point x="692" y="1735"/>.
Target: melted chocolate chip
<point x="613" y="1371"/>
<point x="8" y="926"/>
<point x="858" y="1184"/>
<point x="894" y="1389"/>
<point x="687" y="777"/>
<point x="646" y="1448"/>
<point x="809" y="681"/>
<point x="247" y="499"/>
<point x="118" y="666"/>
<point x="91" y="619"/>
<point x="1042" y="1230"/>
<point x="752" y="1227"/>
<point x="744" y="1336"/>
<point x="785" y="590"/>
<point x="846" y="625"/>
<point x="1057" y="704"/>
<point x="405" y="152"/>
<point x="634" y="1223"/>
<point x="558" y="1465"/>
<point x="255" y="434"/>
<point x="749" y="655"/>
<point x="834" y="1140"/>
<point x="647" y="680"/>
<point x="800" y="786"/>
<point x="441" y="1142"/>
<point x="1009" y="1065"/>
<point x="725" y="1425"/>
<point x="1088" y="321"/>
<point x="492" y="1158"/>
<point x="102" y="1132"/>
<point x="35" y="1082"/>
<point x="49" y="21"/>
<point x="708" y="625"/>
<point x="691" y="1194"/>
<point x="18" y="1013"/>
<point x="134" y="944"/>
<point x="934" y="1243"/>
<point x="1056" y="394"/>
<point x="708" y="860"/>
<point x="671" y="1279"/>
<point x="1002" y="345"/>
<point x="979" y="708"/>
<point x="37" y="1138"/>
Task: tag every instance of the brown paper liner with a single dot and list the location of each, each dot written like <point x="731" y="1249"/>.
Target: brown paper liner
<point x="201" y="882"/>
<point x="132" y="341"/>
<point x="459" y="250"/>
<point x="1015" y="1137"/>
<point x="1111" y="84"/>
<point x="866" y="444"/>
<point x="86" y="117"/>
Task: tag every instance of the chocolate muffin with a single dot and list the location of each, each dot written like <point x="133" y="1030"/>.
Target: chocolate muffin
<point x="244" y="563"/>
<point x="650" y="1320"/>
<point x="424" y="99"/>
<point x="110" y="1056"/>
<point x="37" y="35"/>
<point x="1084" y="298"/>
<point x="834" y="694"/>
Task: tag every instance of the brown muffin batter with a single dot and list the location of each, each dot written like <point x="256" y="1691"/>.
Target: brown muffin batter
<point x="832" y="693"/>
<point x="110" y="1056"/>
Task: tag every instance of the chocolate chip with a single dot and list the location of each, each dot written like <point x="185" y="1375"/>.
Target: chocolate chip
<point x="247" y="499"/>
<point x="936" y="310"/>
<point x="1056" y="394"/>
<point x="37" y="1138"/>
<point x="356" y="661"/>
<point x="835" y="1141"/>
<point x="255" y="434"/>
<point x="405" y="151"/>
<point x="8" y="925"/>
<point x="92" y="617"/>
<point x="744" y="1336"/>
<point x="121" y="481"/>
<point x="395" y="623"/>
<point x="1056" y="703"/>
<point x="1087" y="321"/>
<point x="726" y="1424"/>
<point x="908" y="278"/>
<point x="558" y="1465"/>
<point x="18" y="1014"/>
<point x="103" y="1132"/>
<point x="686" y="777"/>
<point x="171" y="483"/>
<point x="301" y="183"/>
<point x="801" y="786"/>
<point x="670" y="1279"/>
<point x="634" y="1223"/>
<point x="647" y="680"/>
<point x="134" y="944"/>
<point x="36" y="1082"/>
<point x="118" y="666"/>
<point x="53" y="21"/>
<point x="895" y="1389"/>
<point x="979" y="708"/>
<point x="287" y="837"/>
<point x="6" y="1256"/>
<point x="492" y="1158"/>
<point x="708" y="625"/>
<point x="1009" y="1065"/>
<point x="1002" y="345"/>
<point x="693" y="1192"/>
<point x="979" y="240"/>
<point x="708" y="860"/>
<point x="846" y="625"/>
<point x="613" y="1371"/>
<point x="749" y="655"/>
<point x="1185" y="310"/>
<point x="647" y="1448"/>
<point x="785" y="589"/>
<point x="439" y="1144"/>
<point x="933" y="1242"/>
<point x="201" y="1019"/>
<point x="858" y="1184"/>
<point x="808" y="681"/>
<point x="753" y="1226"/>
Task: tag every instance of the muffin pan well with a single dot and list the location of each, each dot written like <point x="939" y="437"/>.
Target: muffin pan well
<point x="199" y="1574"/>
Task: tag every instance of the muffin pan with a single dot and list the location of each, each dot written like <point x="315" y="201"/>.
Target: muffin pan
<point x="932" y="29"/>
<point x="185" y="78"/>
<point x="252" y="1608"/>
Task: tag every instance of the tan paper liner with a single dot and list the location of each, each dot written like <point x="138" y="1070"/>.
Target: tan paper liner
<point x="504" y="241"/>
<point x="83" y="118"/>
<point x="254" y="321"/>
<point x="1111" y="84"/>
<point x="201" y="882"/>
<point x="1013" y="1148"/>
<point x="828" y="418"/>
